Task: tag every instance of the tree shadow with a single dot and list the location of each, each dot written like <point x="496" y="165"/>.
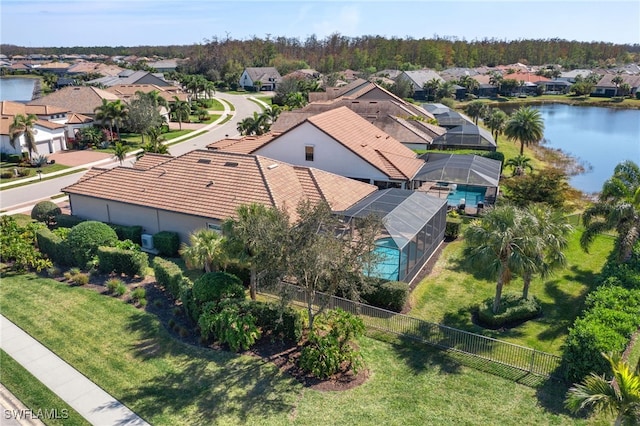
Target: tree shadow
<point x="217" y="383"/>
<point x="551" y="395"/>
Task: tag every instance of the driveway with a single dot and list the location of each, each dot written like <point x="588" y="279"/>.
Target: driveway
<point x="78" y="158"/>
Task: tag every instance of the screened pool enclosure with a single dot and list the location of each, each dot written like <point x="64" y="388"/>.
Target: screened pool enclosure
<point x="414" y="225"/>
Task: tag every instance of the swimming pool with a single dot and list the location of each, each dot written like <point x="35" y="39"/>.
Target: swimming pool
<point x="472" y="195"/>
<point x="388" y="265"/>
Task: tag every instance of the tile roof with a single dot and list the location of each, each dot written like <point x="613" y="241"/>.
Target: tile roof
<point x="9" y="109"/>
<point x="263" y="73"/>
<point x="245" y="145"/>
<point x="150" y="160"/>
<point x="213" y="184"/>
<point x="367" y="141"/>
<point x="82" y="99"/>
<point x="75" y="118"/>
<point x="127" y="91"/>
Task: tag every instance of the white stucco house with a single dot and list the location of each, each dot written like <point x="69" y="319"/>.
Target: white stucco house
<point x="338" y="141"/>
<point x="268" y="77"/>
<point x="49" y="130"/>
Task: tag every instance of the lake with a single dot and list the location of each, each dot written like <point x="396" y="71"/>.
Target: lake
<point x="596" y="136"/>
<point x="16" y="89"/>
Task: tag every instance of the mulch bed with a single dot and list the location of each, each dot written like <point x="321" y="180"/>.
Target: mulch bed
<point x="171" y="315"/>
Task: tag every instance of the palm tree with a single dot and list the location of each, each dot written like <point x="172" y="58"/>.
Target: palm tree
<point x="617" y="80"/>
<point x="206" y="250"/>
<point x="474" y="110"/>
<point x="619" y="396"/>
<point x="495" y="121"/>
<point x="155" y="144"/>
<point x="180" y="110"/>
<point x="103" y="113"/>
<point x="23" y="125"/>
<point x="120" y="151"/>
<point x="549" y="238"/>
<point x="118" y="113"/>
<point x="497" y="245"/>
<point x="496" y="80"/>
<point x="618" y="208"/>
<point x="519" y="164"/>
<point x="430" y="87"/>
<point x="525" y="126"/>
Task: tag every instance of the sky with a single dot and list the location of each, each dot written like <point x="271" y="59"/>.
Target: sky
<point x="68" y="23"/>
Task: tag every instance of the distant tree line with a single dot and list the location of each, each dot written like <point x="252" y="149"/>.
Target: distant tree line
<point x="368" y="53"/>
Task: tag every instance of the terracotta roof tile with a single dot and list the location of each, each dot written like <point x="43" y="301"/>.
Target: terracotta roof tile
<point x="82" y="99"/>
<point x="213" y="184"/>
<point x="244" y="145"/>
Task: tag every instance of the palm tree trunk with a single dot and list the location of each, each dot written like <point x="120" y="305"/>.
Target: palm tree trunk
<point x="526" y="278"/>
<point x="619" y="418"/>
<point x="253" y="283"/>
<point x="521" y="148"/>
<point x="498" y="297"/>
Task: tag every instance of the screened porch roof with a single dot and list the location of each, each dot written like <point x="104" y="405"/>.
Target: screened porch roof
<point x="460" y="169"/>
<point x="403" y="212"/>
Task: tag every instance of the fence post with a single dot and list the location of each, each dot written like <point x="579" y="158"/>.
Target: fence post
<point x="533" y="358"/>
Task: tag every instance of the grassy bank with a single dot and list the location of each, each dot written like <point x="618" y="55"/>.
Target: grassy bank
<point x="129" y="354"/>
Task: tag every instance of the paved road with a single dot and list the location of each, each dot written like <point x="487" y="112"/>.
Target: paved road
<point x="24" y="195"/>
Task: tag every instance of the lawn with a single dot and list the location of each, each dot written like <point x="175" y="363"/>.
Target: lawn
<point x="134" y="140"/>
<point x="34" y="395"/>
<point x="128" y="353"/>
<point x="49" y="168"/>
<point x="448" y="293"/>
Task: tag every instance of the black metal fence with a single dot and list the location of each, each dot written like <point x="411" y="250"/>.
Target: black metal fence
<point x="497" y="351"/>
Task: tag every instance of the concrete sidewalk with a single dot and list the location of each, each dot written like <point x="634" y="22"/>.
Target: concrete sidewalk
<point x="88" y="399"/>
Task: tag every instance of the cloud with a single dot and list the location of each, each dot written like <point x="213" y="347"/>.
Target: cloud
<point x="345" y="22"/>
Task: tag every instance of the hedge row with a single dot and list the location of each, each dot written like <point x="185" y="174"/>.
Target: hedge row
<point x="67" y="221"/>
<point x="281" y="323"/>
<point x="513" y="310"/>
<point x="133" y="233"/>
<point x="168" y="275"/>
<point x="55" y="247"/>
<point x="167" y="243"/>
<point x="389" y="295"/>
<point x="122" y="261"/>
<point x="611" y="316"/>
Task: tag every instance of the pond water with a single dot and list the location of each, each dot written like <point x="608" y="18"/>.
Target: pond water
<point x="598" y="137"/>
<point x="16" y="89"/>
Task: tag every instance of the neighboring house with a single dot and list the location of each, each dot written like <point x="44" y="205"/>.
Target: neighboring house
<point x="104" y="70"/>
<point x="128" y="91"/>
<point x="48" y="130"/>
<point x="164" y="65"/>
<point x="571" y="76"/>
<point x="79" y="99"/>
<point x="418" y="79"/>
<point x="75" y="122"/>
<point x="201" y="189"/>
<point x="304" y="74"/>
<point x="340" y="91"/>
<point x="607" y="88"/>
<point x="58" y="68"/>
<point x="132" y="77"/>
<point x="269" y="77"/>
<point x="554" y="87"/>
<point x="405" y="122"/>
<point x="486" y="90"/>
<point x="341" y="142"/>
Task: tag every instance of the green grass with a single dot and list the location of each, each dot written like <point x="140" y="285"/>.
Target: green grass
<point x="448" y="294"/>
<point x="216" y="105"/>
<point x="50" y="168"/>
<point x="23" y="183"/>
<point x="128" y="353"/>
<point x="34" y="395"/>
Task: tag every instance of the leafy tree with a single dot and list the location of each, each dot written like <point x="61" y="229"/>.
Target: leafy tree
<point x="143" y="116"/>
<point x="582" y="88"/>
<point x="154" y="97"/>
<point x="498" y="244"/>
<point x="23" y="125"/>
<point x="525" y="126"/>
<point x="619" y="396"/>
<point x="402" y="88"/>
<point x="519" y="164"/>
<point x="547" y="186"/>
<point x="206" y="250"/>
<point x="120" y="152"/>
<point x="625" y="89"/>
<point x="18" y="249"/>
<point x="618" y="208"/>
<point x="324" y="255"/>
<point x="90" y="136"/>
<point x="255" y="237"/>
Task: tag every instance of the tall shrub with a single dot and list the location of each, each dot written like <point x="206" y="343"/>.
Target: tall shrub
<point x="45" y="211"/>
<point x="85" y="238"/>
<point x="167" y="243"/>
<point x="168" y="275"/>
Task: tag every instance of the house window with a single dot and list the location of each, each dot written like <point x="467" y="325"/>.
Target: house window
<point x="214" y="227"/>
<point x="308" y="152"/>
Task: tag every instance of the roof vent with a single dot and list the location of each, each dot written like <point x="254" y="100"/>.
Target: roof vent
<point x="231" y="164"/>
<point x="209" y="183"/>
<point x="204" y="161"/>
<point x="272" y="166"/>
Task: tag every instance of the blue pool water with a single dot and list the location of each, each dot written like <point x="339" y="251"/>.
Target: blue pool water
<point x="389" y="262"/>
<point x="471" y="194"/>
